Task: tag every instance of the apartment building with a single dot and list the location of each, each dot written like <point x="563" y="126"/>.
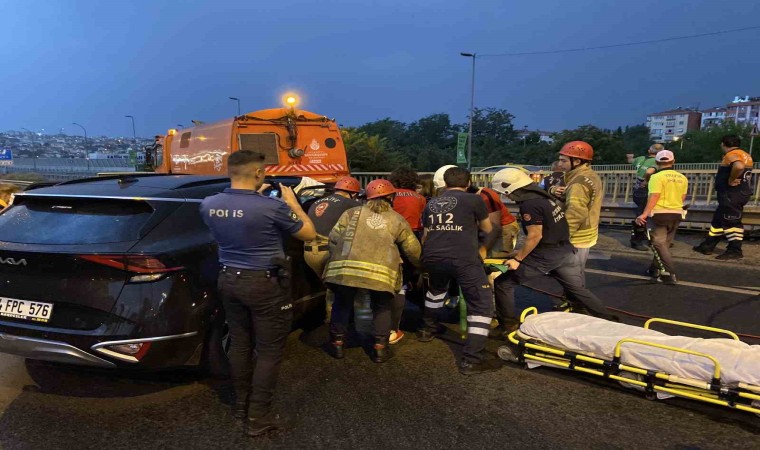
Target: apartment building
<point x="664" y="126"/>
<point x="713" y="116"/>
<point x="744" y="110"/>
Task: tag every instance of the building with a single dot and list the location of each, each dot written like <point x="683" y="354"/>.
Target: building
<point x="713" y="116"/>
<point x="664" y="126"/>
<point x="744" y="111"/>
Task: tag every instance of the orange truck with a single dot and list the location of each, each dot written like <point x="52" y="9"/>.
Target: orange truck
<point x="294" y="143"/>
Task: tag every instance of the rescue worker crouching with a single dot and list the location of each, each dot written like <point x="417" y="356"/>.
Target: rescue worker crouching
<point x="733" y="186"/>
<point x="451" y="252"/>
<point x="364" y="254"/>
<point x="546" y="251"/>
<point x="6" y="194"/>
<point x="249" y="229"/>
<point x="645" y="166"/>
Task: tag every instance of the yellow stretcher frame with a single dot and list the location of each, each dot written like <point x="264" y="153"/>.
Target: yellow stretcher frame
<point x="740" y="397"/>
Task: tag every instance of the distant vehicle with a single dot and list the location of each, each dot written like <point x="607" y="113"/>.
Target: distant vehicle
<point x="120" y="272"/>
<point x="294" y="142"/>
<point x="533" y="171"/>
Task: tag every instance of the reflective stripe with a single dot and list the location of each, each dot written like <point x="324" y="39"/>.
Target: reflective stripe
<point x="735" y="230"/>
<point x="330" y="272"/>
<point x="433" y="305"/>
<point x="479" y="319"/>
<point x="354" y="264"/>
<point x="478" y="331"/>
<point x="438" y="297"/>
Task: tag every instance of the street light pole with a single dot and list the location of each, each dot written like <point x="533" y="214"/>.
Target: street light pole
<point x="472" y="109"/>
<point x="238" y="103"/>
<point x="525" y="136"/>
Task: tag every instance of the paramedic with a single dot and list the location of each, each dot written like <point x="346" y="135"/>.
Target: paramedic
<point x="662" y="214"/>
<point x="364" y="254"/>
<point x="583" y="197"/>
<point x="249" y="229"/>
<point x="450" y="252"/>
<point x="546" y="251"/>
<point x="734" y="188"/>
<point x="645" y="166"/>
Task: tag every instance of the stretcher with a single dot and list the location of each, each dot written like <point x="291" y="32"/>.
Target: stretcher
<point x="722" y="371"/>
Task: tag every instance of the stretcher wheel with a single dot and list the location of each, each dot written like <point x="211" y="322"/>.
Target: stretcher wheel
<point x="507" y="354"/>
<point x="756" y="404"/>
<point x="650" y="396"/>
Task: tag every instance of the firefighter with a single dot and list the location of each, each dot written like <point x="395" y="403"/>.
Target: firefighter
<point x="324" y="213"/>
<point x="410" y="204"/>
<point x="364" y="254"/>
<point x="249" y="228"/>
<point x="451" y="252"/>
<point x="645" y="166"/>
<point x="662" y="214"/>
<point x="734" y="188"/>
<point x="582" y="195"/>
<point x="547" y="249"/>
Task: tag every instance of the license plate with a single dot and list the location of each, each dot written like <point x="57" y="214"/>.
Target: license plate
<point x="25" y="309"/>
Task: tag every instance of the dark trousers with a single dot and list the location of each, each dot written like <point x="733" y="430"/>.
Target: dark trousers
<point x="559" y="263"/>
<point x="472" y="279"/>
<point x="343" y="308"/>
<point x="259" y="317"/>
<point x="663" y="229"/>
<point x="640" y="198"/>
<point x="727" y="220"/>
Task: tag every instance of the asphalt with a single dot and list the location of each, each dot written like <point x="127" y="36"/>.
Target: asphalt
<point x="416" y="400"/>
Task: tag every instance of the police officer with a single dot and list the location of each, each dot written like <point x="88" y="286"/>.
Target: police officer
<point x="734" y="189"/>
<point x="324" y="213"/>
<point x="451" y="252"/>
<point x="547" y="248"/>
<point x="645" y="166"/>
<point x="249" y="229"/>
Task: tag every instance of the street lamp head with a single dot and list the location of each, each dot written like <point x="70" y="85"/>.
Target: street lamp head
<point x="234" y="98"/>
<point x="468" y="55"/>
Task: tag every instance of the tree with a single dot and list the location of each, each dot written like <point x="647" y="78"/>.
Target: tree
<point x="370" y="153"/>
<point x="703" y="146"/>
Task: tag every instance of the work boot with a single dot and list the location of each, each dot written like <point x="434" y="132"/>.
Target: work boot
<point x="381" y="352"/>
<point x="426" y="334"/>
<point x="487" y="365"/>
<point x="669" y="279"/>
<point x="642" y="246"/>
<point x="269" y="422"/>
<point x="336" y="346"/>
<point x="730" y="254"/>
<point x="707" y="246"/>
<point x="503" y="330"/>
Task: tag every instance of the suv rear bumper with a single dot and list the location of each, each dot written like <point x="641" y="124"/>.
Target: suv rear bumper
<point x="45" y="350"/>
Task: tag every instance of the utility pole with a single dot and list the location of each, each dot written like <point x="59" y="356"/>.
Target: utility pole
<point x="472" y="109"/>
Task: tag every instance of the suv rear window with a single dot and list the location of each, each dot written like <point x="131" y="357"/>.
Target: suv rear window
<point x="60" y="220"/>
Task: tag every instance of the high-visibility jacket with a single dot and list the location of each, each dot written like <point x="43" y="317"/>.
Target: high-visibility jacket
<point x="583" y="205"/>
<point x="364" y="250"/>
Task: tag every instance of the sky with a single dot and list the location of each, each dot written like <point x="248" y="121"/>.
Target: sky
<point x="169" y="62"/>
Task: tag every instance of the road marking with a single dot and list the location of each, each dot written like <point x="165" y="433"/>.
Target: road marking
<point x="680" y="283"/>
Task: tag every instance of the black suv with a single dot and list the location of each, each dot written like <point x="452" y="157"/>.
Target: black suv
<point x="120" y="272"/>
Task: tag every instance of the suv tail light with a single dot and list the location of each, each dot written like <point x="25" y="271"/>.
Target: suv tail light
<point x="130" y="352"/>
<point x="145" y="268"/>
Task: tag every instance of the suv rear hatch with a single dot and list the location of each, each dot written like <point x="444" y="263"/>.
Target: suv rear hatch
<point x="71" y="253"/>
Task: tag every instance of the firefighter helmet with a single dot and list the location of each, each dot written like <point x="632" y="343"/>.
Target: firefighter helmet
<point x="506" y="181"/>
<point x="438" y="182"/>
<point x="348" y="184"/>
<point x="379" y="188"/>
<point x="578" y="149"/>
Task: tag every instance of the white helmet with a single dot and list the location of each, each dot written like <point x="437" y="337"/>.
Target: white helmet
<point x="506" y="181"/>
<point x="438" y="182"/>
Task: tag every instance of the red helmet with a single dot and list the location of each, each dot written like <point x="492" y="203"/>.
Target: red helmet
<point x="348" y="184"/>
<point x="379" y="188"/>
<point x="578" y="149"/>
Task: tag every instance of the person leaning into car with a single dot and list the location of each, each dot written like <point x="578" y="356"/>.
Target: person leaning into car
<point x="249" y="229"/>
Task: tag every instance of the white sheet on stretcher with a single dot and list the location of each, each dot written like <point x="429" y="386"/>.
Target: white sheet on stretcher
<point x="739" y="362"/>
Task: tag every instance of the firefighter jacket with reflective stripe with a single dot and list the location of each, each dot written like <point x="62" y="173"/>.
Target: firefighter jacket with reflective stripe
<point x="583" y="205"/>
<point x="364" y="250"/>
